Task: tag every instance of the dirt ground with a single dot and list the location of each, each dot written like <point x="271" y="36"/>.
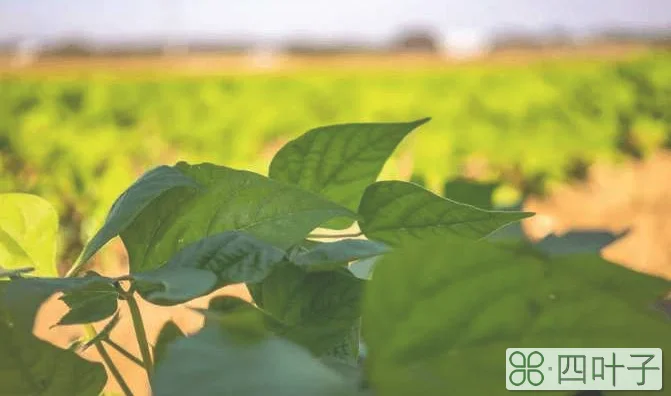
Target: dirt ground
<point x="207" y="64"/>
<point x="635" y="196"/>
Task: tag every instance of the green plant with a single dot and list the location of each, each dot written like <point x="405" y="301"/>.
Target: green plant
<point x="448" y="295"/>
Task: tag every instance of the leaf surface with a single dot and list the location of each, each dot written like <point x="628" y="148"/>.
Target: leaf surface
<point x="330" y="255"/>
<point x="228" y="200"/>
<point x="452" y="305"/>
<point x="227" y="365"/>
<point x="92" y="302"/>
<point x="133" y="201"/>
<point x="319" y="309"/>
<point x="393" y="210"/>
<point x="210" y="263"/>
<point x="28" y="234"/>
<point x="339" y="161"/>
<point x="30" y="366"/>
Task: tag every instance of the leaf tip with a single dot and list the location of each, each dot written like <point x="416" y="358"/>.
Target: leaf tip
<point x="421" y="121"/>
<point x="526" y="215"/>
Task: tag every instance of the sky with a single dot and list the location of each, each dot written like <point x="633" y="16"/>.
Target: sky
<point x="276" y="20"/>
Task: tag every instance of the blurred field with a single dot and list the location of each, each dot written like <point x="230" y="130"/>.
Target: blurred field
<point x="79" y="140"/>
<point x="581" y="137"/>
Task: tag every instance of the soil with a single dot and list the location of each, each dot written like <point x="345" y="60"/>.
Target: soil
<point x="213" y="64"/>
<point x="634" y="196"/>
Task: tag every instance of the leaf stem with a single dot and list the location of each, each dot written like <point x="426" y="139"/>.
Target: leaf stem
<point x="123" y="351"/>
<point x="352" y="235"/>
<point x="91" y="332"/>
<point x="140" y="333"/>
<point x="76" y="267"/>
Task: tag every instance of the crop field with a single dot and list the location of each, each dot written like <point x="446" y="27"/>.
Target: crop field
<point x="79" y="140"/>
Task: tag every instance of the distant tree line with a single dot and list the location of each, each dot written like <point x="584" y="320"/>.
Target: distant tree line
<point x="560" y="38"/>
<point x="410" y="40"/>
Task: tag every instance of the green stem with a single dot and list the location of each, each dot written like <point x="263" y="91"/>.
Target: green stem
<point x="91" y="332"/>
<point x="353" y="235"/>
<point x="124" y="352"/>
<point x="140" y="332"/>
<point x="76" y="267"/>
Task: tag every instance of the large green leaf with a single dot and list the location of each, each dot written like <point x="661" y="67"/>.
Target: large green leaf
<point x="212" y="262"/>
<point x="470" y="192"/>
<point x="30" y="366"/>
<point x="339" y="161"/>
<point x="331" y="255"/>
<point x="391" y="210"/>
<point x="228" y="200"/>
<point x="242" y="320"/>
<point x="319" y="309"/>
<point x="225" y="365"/>
<point x="28" y="233"/>
<point x="440" y="313"/>
<point x="347" y="350"/>
<point x="133" y="201"/>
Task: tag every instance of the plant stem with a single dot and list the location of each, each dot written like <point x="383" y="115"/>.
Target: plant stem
<point x="140" y="333"/>
<point x="91" y="332"/>
<point x="124" y="352"/>
<point x="353" y="235"/>
<point x="76" y="267"/>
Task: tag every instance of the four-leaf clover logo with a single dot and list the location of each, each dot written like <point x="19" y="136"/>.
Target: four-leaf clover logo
<point x="525" y="366"/>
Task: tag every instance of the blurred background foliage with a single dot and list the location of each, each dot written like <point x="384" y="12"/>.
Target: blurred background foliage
<point x="79" y="141"/>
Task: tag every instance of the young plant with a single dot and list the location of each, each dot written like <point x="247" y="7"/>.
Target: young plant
<point x="448" y="294"/>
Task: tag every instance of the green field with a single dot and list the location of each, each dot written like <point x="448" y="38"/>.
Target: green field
<point x="80" y="141"/>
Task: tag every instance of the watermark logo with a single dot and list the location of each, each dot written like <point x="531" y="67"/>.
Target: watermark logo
<point x="584" y="369"/>
<point x="525" y="369"/>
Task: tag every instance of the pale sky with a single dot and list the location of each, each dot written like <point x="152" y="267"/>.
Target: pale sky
<point x="369" y="20"/>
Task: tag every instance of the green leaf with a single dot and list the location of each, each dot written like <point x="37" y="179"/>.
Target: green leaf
<point x="241" y="320"/>
<point x="133" y="201"/>
<point x="30" y="366"/>
<point x="226" y="366"/>
<point x="24" y="296"/>
<point x="92" y="302"/>
<point x="229" y="200"/>
<point x="576" y="242"/>
<point x="331" y="255"/>
<point x="470" y="192"/>
<point x="28" y="233"/>
<point x="210" y="263"/>
<point x="347" y="370"/>
<point x="172" y="286"/>
<point x="339" y="161"/>
<point x="169" y="333"/>
<point x="15" y="272"/>
<point x="235" y="257"/>
<point x="347" y="350"/>
<point x="440" y="313"/>
<point x="319" y="309"/>
<point x="392" y="210"/>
